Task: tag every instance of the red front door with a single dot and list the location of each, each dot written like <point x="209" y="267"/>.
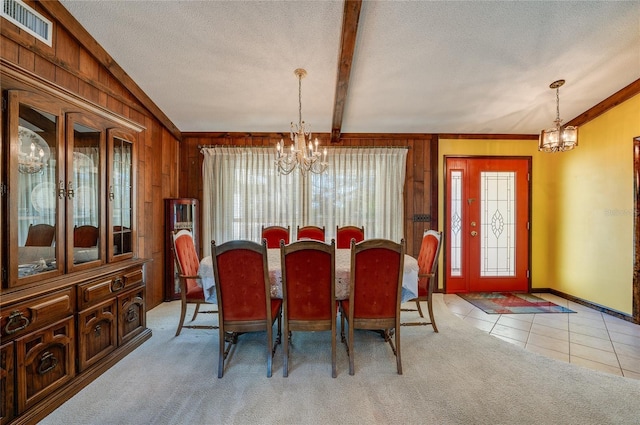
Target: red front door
<point x="487" y="224"/>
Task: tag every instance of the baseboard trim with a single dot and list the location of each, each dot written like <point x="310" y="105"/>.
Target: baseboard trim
<point x="598" y="307"/>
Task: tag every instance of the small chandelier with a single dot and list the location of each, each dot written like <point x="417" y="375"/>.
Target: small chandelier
<point x="302" y="156"/>
<point x="34" y="152"/>
<point x="559" y="138"/>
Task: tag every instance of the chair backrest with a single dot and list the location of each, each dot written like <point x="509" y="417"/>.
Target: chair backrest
<point x="40" y="235"/>
<point x="85" y="236"/>
<point x="187" y="261"/>
<point x="242" y="281"/>
<point x="344" y="235"/>
<point x="377" y="267"/>
<point x="428" y="259"/>
<point x="311" y="232"/>
<point x="308" y="277"/>
<point x="273" y="235"/>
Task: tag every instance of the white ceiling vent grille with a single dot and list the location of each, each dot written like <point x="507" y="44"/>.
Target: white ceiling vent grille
<point x="27" y="19"/>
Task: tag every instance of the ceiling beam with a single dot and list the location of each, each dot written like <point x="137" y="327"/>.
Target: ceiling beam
<point x="350" y="17"/>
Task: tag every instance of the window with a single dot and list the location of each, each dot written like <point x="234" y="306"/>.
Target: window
<point x="243" y="191"/>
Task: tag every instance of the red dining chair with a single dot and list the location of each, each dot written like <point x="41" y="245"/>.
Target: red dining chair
<point x="308" y="290"/>
<point x="374" y="294"/>
<point x="344" y="235"/>
<point x="244" y="296"/>
<point x="187" y="262"/>
<point x="273" y="235"/>
<point x="427" y="267"/>
<point x="40" y="235"/>
<point x="311" y="232"/>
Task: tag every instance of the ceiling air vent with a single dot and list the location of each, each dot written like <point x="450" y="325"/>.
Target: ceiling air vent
<point x="27" y="19"/>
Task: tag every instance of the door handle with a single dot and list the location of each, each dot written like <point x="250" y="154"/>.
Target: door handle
<point x="474" y="233"/>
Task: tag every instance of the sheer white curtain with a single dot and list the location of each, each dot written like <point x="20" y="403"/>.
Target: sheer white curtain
<point x="243" y="192"/>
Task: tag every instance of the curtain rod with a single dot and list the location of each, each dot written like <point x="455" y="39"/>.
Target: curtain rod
<point x="200" y="147"/>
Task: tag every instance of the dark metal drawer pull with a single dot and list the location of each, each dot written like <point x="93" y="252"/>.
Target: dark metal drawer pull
<point x="132" y="315"/>
<point x="117" y="284"/>
<point x="13" y="324"/>
<point x="48" y="362"/>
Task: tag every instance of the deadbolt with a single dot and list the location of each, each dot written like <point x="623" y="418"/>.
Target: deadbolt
<point x="473" y="224"/>
<point x="474" y="233"/>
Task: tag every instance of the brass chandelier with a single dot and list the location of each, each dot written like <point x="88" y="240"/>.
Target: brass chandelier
<point x="303" y="156"/>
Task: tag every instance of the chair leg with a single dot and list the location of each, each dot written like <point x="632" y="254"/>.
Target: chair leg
<point x="333" y="351"/>
<point x="285" y="364"/>
<point x="398" y="358"/>
<point x="195" y="312"/>
<point x="183" y="313"/>
<point x="221" y="356"/>
<point x="431" y="316"/>
<point x="350" y="349"/>
<point x="269" y="347"/>
<point x="419" y="309"/>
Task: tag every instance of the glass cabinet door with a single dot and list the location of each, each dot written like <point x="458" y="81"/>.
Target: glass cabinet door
<point x="34" y="167"/>
<point x="120" y="195"/>
<point x="85" y="230"/>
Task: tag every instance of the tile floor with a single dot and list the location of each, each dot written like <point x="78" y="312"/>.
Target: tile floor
<point x="587" y="338"/>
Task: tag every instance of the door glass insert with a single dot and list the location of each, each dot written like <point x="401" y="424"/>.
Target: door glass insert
<point x="36" y="193"/>
<point x="456" y="223"/>
<point x="497" y="206"/>
<point x="120" y="195"/>
<point x="85" y="193"/>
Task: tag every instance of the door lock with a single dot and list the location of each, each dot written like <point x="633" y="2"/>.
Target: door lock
<point x="474" y="233"/>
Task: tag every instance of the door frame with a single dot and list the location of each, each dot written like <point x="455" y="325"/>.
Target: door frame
<point x="445" y="254"/>
<point x="636" y="231"/>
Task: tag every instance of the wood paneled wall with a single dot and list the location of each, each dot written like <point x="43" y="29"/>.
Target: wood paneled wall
<point x="76" y="70"/>
<point x="420" y="190"/>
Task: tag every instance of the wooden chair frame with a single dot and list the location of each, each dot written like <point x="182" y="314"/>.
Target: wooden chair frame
<point x="341" y="243"/>
<point x="85" y="236"/>
<point x="428" y="268"/>
<point x="284" y="233"/>
<point x="231" y="329"/>
<point x="40" y="235"/>
<point x="311" y="232"/>
<point x="185" y="300"/>
<point x="387" y="325"/>
<point x="312" y="285"/>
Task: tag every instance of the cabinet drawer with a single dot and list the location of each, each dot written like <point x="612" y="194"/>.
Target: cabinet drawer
<point x="99" y="290"/>
<point x="24" y="317"/>
<point x="97" y="333"/>
<point x="44" y="362"/>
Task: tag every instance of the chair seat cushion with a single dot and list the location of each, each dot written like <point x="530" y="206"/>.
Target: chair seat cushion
<point x="195" y="292"/>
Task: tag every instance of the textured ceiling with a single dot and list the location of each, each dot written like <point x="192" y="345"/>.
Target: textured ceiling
<point x="418" y="67"/>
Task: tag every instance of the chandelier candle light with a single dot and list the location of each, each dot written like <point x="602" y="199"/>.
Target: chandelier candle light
<point x="559" y="138"/>
<point x="302" y="156"/>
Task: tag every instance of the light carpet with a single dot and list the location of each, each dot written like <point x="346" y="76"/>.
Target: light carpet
<point x="458" y="376"/>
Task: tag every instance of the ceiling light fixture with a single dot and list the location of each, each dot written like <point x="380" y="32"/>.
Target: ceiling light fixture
<point x="302" y="156"/>
<point x="559" y="138"/>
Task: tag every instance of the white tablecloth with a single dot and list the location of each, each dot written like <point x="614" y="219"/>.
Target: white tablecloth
<point x="343" y="270"/>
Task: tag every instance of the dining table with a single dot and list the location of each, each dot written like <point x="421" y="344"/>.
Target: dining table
<point x="343" y="271"/>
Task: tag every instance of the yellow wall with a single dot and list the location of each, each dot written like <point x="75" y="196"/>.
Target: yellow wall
<point x="582" y="207"/>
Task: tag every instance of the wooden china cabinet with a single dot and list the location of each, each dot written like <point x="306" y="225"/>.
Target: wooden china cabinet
<point x="71" y="305"/>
